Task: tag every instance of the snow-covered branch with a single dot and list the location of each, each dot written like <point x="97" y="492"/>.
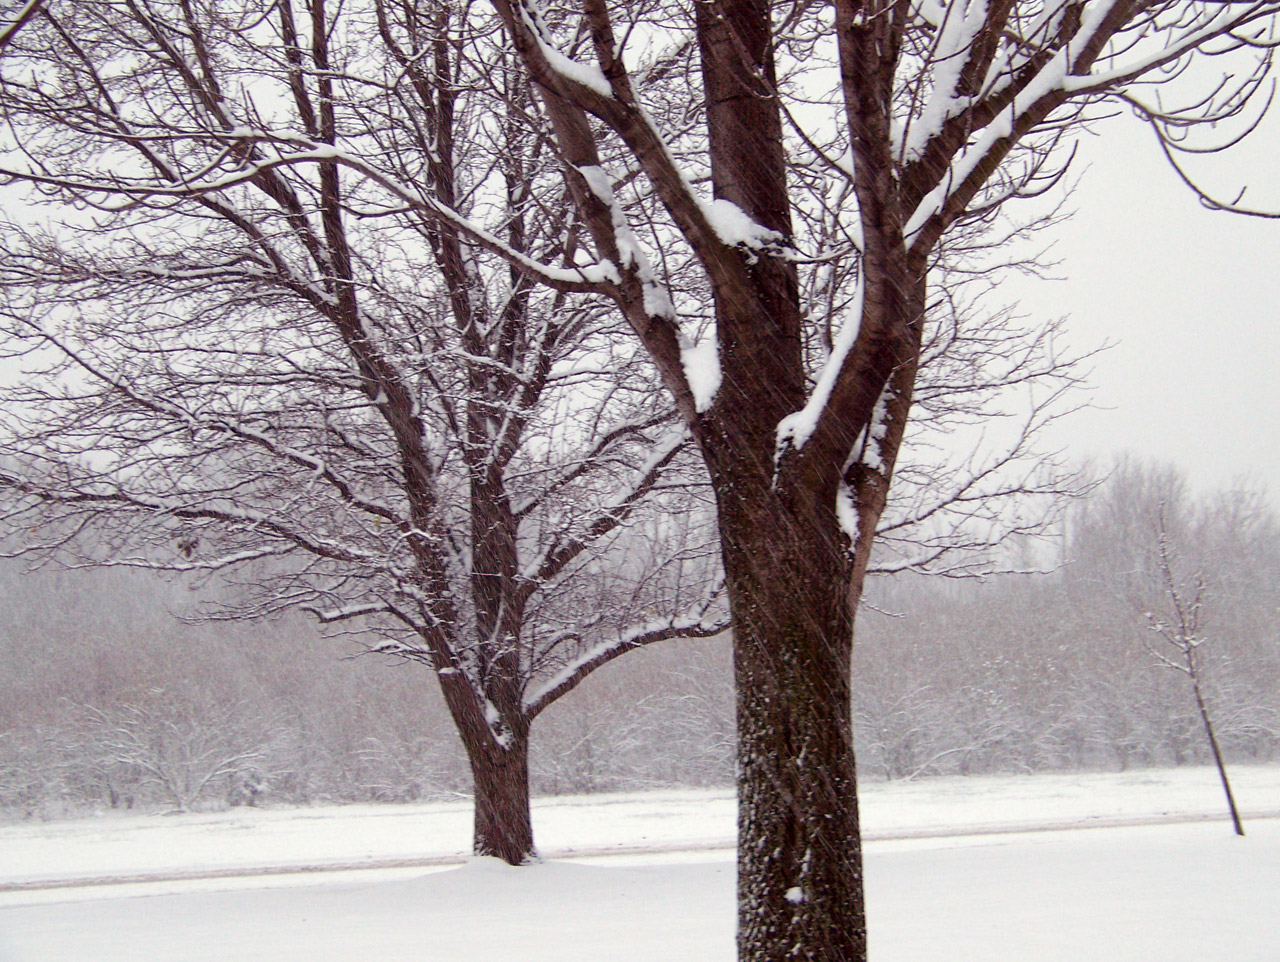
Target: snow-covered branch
<point x="692" y="624"/>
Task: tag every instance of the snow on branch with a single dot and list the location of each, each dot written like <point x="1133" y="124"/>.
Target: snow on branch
<point x="329" y="616"/>
<point x="586" y="75"/>
<point x="952" y="51"/>
<point x="10" y="26"/>
<point x="694" y="623"/>
<point x="558" y="557"/>
<point x="795" y="430"/>
<point x="115" y="496"/>
<point x="724" y="241"/>
<point x="606" y="441"/>
<point x="1075" y="52"/>
<point x="592" y="278"/>
<point x="401" y="650"/>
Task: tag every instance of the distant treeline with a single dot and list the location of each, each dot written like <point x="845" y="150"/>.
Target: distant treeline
<point x="109" y="702"/>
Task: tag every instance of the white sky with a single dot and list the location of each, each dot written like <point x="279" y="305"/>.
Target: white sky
<point x="1189" y="296"/>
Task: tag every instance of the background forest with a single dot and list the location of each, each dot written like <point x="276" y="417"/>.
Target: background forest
<point x="109" y="701"/>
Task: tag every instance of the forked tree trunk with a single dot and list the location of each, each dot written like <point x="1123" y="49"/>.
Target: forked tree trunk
<point x="500" y="775"/>
<point x="782" y="464"/>
<point x="503" y="821"/>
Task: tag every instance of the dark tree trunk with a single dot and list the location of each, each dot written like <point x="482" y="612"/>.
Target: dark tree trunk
<point x="499" y="771"/>
<point x="503" y="823"/>
<point x="800" y="890"/>
<point x="1217" y="752"/>
<point x="799" y="853"/>
<point x="793" y="576"/>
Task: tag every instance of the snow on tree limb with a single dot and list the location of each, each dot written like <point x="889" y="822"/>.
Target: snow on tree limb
<point x="11" y="24"/>
<point x="690" y="624"/>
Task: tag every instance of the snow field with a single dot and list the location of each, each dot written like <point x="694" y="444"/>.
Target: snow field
<point x="367" y="835"/>
<point x="1138" y="893"/>
<point x="1173" y="893"/>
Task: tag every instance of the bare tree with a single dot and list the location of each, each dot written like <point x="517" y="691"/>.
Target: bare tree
<point x="941" y="114"/>
<point x="1195" y="570"/>
<point x="1179" y="624"/>
<point x="261" y="380"/>
<point x="185" y="752"/>
<point x="267" y="388"/>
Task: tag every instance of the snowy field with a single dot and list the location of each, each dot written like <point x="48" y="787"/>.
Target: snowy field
<point x="957" y="869"/>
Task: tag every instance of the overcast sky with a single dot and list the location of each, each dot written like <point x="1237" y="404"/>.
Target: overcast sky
<point x="1191" y="299"/>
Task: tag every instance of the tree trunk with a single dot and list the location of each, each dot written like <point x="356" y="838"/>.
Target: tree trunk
<point x="800" y="892"/>
<point x="787" y="569"/>
<point x="1217" y="752"/>
<point x="499" y="764"/>
<point x="503" y="823"/>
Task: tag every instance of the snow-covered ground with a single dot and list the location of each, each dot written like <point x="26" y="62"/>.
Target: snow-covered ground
<point x="956" y="869"/>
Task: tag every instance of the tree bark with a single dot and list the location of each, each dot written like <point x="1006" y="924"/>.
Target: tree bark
<point x="503" y="822"/>
<point x="799" y="850"/>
